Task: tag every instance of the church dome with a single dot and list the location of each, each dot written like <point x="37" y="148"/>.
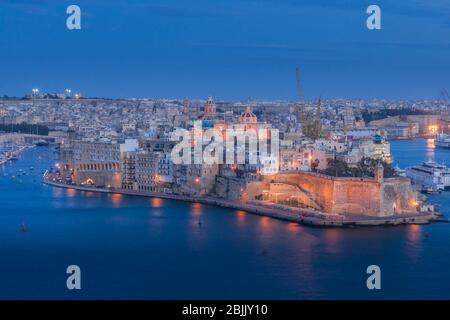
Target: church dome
<point x="248" y="116"/>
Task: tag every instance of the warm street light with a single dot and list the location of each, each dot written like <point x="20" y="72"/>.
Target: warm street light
<point x="433" y="128"/>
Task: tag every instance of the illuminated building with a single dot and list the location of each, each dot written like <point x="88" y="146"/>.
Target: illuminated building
<point x="96" y="162"/>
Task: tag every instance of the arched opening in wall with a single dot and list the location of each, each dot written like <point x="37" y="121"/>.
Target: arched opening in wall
<point x="88" y="182"/>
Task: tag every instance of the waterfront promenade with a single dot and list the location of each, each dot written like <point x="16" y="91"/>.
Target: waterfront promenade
<point x="298" y="215"/>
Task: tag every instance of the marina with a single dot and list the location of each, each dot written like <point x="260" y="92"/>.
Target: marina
<point x="10" y="151"/>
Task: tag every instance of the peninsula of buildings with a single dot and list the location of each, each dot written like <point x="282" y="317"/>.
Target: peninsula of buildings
<point x="333" y="168"/>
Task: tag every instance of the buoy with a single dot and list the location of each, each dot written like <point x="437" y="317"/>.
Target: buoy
<point x="24" y="227"/>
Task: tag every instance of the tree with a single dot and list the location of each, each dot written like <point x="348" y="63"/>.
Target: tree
<point x="315" y="165"/>
<point x="364" y="169"/>
<point x="337" y="168"/>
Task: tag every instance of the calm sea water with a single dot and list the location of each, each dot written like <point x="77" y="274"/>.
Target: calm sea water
<point x="133" y="247"/>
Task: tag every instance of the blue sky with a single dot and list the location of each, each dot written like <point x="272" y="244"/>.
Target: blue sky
<point x="231" y="49"/>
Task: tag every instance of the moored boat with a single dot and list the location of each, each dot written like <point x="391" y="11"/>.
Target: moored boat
<point x="442" y="140"/>
<point x="41" y="143"/>
<point x="430" y="176"/>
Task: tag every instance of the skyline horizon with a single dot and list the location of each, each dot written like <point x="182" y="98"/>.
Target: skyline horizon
<point x="229" y="49"/>
<point x="218" y="98"/>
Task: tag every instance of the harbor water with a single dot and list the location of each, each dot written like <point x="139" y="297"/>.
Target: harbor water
<point x="146" y="248"/>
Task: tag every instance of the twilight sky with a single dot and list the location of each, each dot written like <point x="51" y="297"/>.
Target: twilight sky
<point x="231" y="49"/>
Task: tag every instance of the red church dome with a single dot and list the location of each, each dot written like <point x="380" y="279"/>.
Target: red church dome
<point x="248" y="116"/>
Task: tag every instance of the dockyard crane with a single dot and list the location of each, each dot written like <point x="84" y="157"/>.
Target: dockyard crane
<point x="300" y="107"/>
<point x="317" y="123"/>
<point x="311" y="126"/>
<point x="444" y="95"/>
<point x="445" y="98"/>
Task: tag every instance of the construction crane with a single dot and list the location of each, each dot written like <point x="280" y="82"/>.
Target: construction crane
<point x="311" y="126"/>
<point x="300" y="107"/>
<point x="445" y="99"/>
<point x="317" y="123"/>
<point x="443" y="96"/>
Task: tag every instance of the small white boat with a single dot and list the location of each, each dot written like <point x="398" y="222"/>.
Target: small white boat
<point x="442" y="140"/>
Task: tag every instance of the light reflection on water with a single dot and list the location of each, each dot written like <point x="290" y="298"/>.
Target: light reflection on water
<point x="265" y="223"/>
<point x="70" y="193"/>
<point x="116" y="199"/>
<point x="196" y="208"/>
<point x="156" y="202"/>
<point x="430" y="153"/>
<point x="293" y="227"/>
<point x="241" y="217"/>
<point x="333" y="237"/>
<point x="414" y="242"/>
